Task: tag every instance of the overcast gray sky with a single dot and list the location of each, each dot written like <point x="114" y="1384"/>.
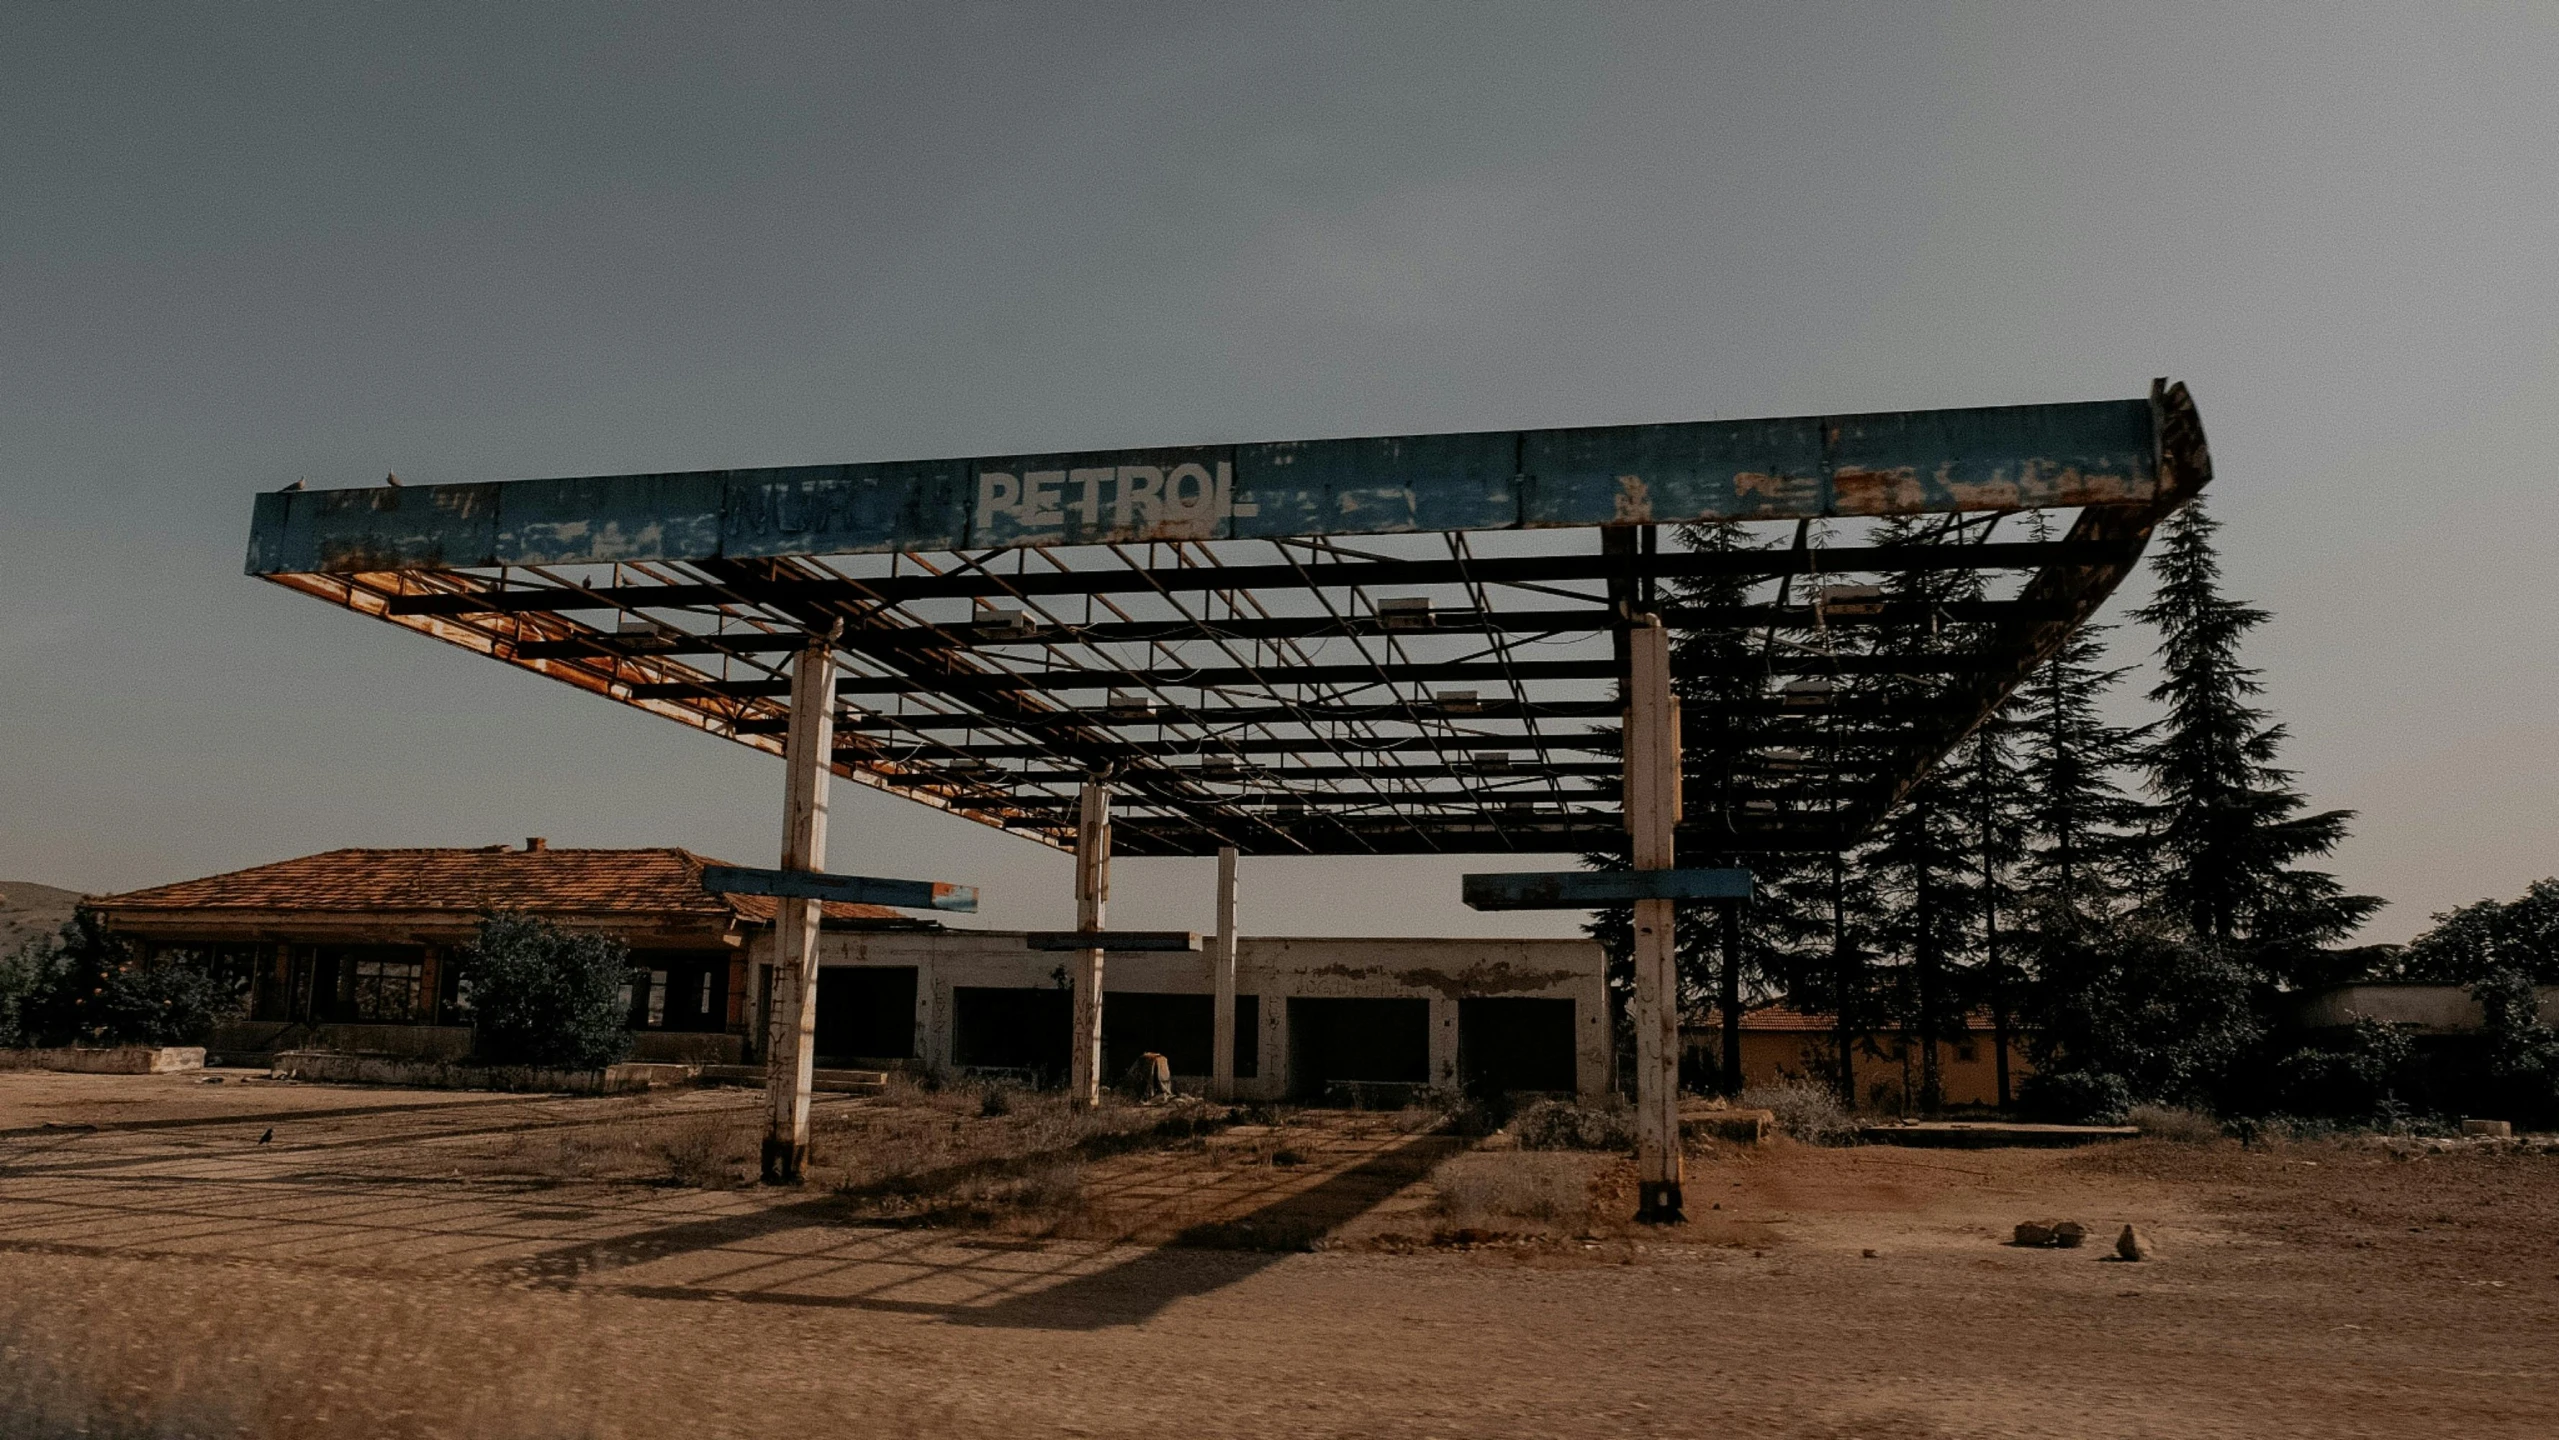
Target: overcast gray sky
<point x="245" y="245"/>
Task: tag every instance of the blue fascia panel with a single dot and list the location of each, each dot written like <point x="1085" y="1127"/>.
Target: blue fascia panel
<point x="2010" y="457"/>
<point x="1593" y="889"/>
<point x="843" y="889"/>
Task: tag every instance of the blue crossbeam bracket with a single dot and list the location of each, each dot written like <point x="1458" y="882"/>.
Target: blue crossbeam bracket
<point x="1590" y="889"/>
<point x="1112" y="940"/>
<point x="843" y="889"/>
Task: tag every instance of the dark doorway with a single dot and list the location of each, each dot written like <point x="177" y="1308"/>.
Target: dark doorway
<point x="1334" y="1042"/>
<point x="1174" y="1026"/>
<point x="1012" y="1030"/>
<point x="866" y="1012"/>
<point x="1513" y="1044"/>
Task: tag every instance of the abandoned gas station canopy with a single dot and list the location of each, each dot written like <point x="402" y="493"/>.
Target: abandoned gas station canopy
<point x="1385" y="645"/>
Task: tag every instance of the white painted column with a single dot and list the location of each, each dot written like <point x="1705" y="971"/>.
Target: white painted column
<point x="791" y="1024"/>
<point x="1221" y="1071"/>
<point x="1652" y="814"/>
<point x="1092" y="900"/>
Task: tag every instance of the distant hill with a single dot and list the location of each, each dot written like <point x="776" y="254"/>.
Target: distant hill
<point x="29" y="911"/>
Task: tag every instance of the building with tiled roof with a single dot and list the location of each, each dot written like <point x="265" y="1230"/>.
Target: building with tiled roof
<point x="366" y="938"/>
<point x="1780" y="1042"/>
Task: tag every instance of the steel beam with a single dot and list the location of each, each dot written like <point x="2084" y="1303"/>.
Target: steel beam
<point x="869" y="592"/>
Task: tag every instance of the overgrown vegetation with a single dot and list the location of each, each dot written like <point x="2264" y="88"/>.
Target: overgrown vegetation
<point x="2136" y="902"/>
<point x="543" y="995"/>
<point x="1482" y="1194"/>
<point x="88" y="987"/>
<point x="1804" y="1110"/>
<point x="1565" y="1125"/>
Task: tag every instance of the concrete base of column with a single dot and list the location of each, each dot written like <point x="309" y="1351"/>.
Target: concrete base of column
<point x="1658" y="1203"/>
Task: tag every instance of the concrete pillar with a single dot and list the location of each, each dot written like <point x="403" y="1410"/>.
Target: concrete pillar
<point x="1092" y="899"/>
<point x="1221" y="1084"/>
<point x="1278" y="1077"/>
<point x="1443" y="1042"/>
<point x="1652" y="815"/>
<point x="791" y="1022"/>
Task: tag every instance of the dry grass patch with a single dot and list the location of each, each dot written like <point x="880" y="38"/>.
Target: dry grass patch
<point x="1485" y="1194"/>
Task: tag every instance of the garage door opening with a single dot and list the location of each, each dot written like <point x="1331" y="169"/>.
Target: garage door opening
<point x="1177" y="1027"/>
<point x="1511" y="1045"/>
<point x="1028" y="1031"/>
<point x="865" y="1013"/>
<point x="1341" y="1049"/>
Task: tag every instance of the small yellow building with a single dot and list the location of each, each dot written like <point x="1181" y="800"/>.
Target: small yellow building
<point x="1783" y="1043"/>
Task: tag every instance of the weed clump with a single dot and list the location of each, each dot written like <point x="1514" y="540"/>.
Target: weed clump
<point x="2167" y="1122"/>
<point x="1511" y="1191"/>
<point x="1565" y="1125"/>
<point x="1804" y="1110"/>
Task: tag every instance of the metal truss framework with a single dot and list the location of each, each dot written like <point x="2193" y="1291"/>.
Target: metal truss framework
<point x="1411" y="690"/>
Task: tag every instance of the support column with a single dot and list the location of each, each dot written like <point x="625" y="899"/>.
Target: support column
<point x="791" y="1012"/>
<point x="1652" y="815"/>
<point x="1092" y="898"/>
<point x="1221" y="1085"/>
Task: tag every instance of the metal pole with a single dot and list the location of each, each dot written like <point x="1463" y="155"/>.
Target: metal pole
<point x="1652" y="816"/>
<point x="1222" y="1020"/>
<point x="791" y="1015"/>
<point x="1092" y="897"/>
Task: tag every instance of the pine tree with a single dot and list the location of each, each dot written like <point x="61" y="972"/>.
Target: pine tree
<point x="1997" y="806"/>
<point x="2229" y="830"/>
<point x="2083" y="831"/>
<point x="1921" y="863"/>
<point x="1735" y="955"/>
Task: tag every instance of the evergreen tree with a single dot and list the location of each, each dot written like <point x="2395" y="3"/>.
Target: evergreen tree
<point x="1997" y="804"/>
<point x="1736" y="956"/>
<point x="1922" y="865"/>
<point x="2083" y="830"/>
<point x="2229" y="830"/>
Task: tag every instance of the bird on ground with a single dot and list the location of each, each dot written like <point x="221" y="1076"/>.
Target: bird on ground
<point x="390" y="479"/>
<point x="296" y="485"/>
<point x="267" y="1136"/>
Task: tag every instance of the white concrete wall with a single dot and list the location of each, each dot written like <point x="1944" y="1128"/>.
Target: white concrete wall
<point x="1276" y="968"/>
<point x="2426" y="1009"/>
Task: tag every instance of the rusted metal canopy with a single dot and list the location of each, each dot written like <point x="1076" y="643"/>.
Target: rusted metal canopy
<point x="1338" y="646"/>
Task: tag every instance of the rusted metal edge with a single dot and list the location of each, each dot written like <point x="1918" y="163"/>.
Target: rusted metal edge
<point x="2065" y="597"/>
<point x="2011" y="457"/>
<point x="367" y="594"/>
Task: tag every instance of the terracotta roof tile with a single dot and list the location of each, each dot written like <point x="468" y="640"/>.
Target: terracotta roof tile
<point x="580" y="882"/>
<point x="1786" y="1018"/>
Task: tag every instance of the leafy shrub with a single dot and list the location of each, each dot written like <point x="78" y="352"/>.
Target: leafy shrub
<point x="2076" y="1097"/>
<point x="541" y="995"/>
<point x="1564" y="1125"/>
<point x="2479" y="942"/>
<point x="2139" y="1013"/>
<point x="1804" y="1110"/>
<point x="88" y="987"/>
<point x="2522" y="1077"/>
<point x="29" y="981"/>
<point x="2357" y="1074"/>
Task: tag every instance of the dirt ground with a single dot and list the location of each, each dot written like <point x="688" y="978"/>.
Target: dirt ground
<point x="414" y="1263"/>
